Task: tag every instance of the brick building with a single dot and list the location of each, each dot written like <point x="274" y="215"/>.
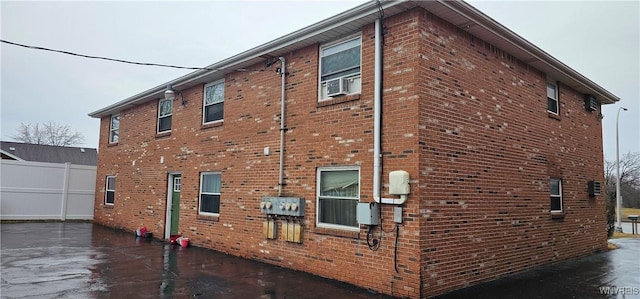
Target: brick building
<point x="501" y="142"/>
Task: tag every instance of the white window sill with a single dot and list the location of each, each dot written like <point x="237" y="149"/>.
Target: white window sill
<point x="332" y="231"/>
<point x="338" y="100"/>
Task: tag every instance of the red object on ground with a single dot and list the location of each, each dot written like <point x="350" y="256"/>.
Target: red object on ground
<point x="173" y="238"/>
<point x="141" y="232"/>
<point x="184" y="242"/>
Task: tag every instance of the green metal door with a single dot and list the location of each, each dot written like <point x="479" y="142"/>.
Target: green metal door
<point x="175" y="203"/>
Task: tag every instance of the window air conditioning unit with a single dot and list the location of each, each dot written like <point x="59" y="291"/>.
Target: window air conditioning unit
<point x="590" y="103"/>
<point x="337" y="87"/>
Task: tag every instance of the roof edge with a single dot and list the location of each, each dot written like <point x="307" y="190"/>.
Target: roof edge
<point x="360" y="11"/>
<point x="274" y="45"/>
<point x="10" y="155"/>
<point x="495" y="27"/>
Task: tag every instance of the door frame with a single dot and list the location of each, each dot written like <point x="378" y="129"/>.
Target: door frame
<point x="167" y="220"/>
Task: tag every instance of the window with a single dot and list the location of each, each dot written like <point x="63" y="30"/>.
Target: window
<point x="340" y="67"/>
<point x="114" y="128"/>
<point x="165" y="111"/>
<point x="213" y="102"/>
<point x="177" y="183"/>
<point x="338" y="195"/>
<point x="556" y="195"/>
<point x="110" y="190"/>
<point x="552" y="98"/>
<point x="209" y="193"/>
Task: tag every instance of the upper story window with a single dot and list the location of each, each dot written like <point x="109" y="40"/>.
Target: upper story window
<point x="340" y="68"/>
<point x="213" y="109"/>
<point x="165" y="111"/>
<point x="553" y="105"/>
<point x="209" y="193"/>
<point x="556" y="195"/>
<point x="338" y="195"/>
<point x="110" y="190"/>
<point x="114" y="128"/>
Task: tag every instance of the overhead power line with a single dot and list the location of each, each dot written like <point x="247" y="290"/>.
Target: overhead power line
<point x="119" y="60"/>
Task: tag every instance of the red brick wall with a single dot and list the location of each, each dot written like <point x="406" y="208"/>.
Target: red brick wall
<point x="488" y="149"/>
<point x="469" y="126"/>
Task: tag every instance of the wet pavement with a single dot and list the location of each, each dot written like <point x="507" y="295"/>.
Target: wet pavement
<point x="82" y="260"/>
<point x="611" y="274"/>
<point x="627" y="227"/>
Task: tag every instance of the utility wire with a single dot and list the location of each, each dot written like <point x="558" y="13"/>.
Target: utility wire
<point x="380" y="10"/>
<point x="120" y="60"/>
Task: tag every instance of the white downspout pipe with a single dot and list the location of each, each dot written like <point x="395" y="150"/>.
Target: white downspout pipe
<point x="377" y="122"/>
<point x="377" y="102"/>
<point x="283" y="128"/>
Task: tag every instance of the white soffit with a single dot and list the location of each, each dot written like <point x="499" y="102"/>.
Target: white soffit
<point x="458" y="13"/>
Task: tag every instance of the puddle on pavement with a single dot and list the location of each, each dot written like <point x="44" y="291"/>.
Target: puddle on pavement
<point x="81" y="260"/>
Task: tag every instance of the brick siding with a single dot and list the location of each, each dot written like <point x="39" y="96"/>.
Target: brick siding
<point x="466" y="120"/>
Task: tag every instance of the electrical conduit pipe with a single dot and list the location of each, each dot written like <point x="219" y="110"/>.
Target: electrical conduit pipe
<point x="283" y="73"/>
<point x="377" y="120"/>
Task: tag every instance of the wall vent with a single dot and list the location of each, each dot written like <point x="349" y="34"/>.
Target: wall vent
<point x="595" y="188"/>
<point x="590" y="103"/>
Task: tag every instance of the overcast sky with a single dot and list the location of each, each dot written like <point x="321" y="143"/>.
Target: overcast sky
<point x="601" y="40"/>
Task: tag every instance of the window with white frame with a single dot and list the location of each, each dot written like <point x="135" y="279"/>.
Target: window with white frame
<point x="213" y="108"/>
<point x="553" y="105"/>
<point x="209" y="193"/>
<point x="556" y="195"/>
<point x="114" y="128"/>
<point x="177" y="184"/>
<point x="110" y="190"/>
<point x="338" y="196"/>
<point x="165" y="111"/>
<point x="340" y="66"/>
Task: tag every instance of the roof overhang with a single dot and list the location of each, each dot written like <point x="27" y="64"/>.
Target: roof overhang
<point x="10" y="155"/>
<point x="482" y="26"/>
<point x="458" y="13"/>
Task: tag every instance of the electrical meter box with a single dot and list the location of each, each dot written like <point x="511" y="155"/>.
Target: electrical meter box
<point x="285" y="206"/>
<point x="368" y="213"/>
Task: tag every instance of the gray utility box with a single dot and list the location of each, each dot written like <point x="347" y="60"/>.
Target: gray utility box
<point x="368" y="213"/>
<point x="285" y="206"/>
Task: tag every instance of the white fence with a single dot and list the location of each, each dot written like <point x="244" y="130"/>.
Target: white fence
<point x="45" y="191"/>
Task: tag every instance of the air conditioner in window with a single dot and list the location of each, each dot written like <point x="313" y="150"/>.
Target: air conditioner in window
<point x="337" y="87"/>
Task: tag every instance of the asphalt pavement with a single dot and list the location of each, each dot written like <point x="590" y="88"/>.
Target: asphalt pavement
<point x="83" y="260"/>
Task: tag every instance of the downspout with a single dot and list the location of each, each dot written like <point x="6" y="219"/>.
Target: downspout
<point x="283" y="128"/>
<point x="377" y="111"/>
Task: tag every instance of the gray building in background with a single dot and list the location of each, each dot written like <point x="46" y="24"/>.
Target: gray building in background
<point x="44" y="182"/>
<point x="48" y="153"/>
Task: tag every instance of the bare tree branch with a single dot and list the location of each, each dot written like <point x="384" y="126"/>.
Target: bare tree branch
<point x="49" y="133"/>
<point x="629" y="179"/>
